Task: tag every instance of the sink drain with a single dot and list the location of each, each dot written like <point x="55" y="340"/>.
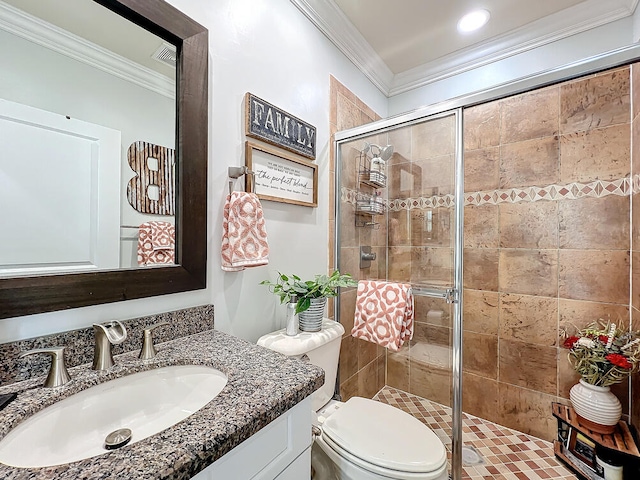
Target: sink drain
<point x="470" y="456"/>
<point x="117" y="438"/>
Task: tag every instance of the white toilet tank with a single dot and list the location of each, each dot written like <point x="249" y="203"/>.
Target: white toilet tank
<point x="322" y="348"/>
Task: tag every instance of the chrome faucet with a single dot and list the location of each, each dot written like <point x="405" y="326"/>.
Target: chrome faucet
<point x="106" y="334"/>
<point x="58" y="374"/>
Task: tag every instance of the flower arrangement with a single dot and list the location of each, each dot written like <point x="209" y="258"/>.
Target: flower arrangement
<point x="603" y="354"/>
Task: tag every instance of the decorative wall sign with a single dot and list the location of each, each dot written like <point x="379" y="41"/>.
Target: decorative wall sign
<point x="161" y="179"/>
<point x="281" y="177"/>
<point x="279" y="128"/>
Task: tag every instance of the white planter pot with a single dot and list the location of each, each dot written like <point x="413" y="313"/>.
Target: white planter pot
<point x="311" y="319"/>
<point x="597" y="405"/>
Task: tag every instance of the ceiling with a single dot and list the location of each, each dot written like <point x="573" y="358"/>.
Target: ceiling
<point x="404" y="44"/>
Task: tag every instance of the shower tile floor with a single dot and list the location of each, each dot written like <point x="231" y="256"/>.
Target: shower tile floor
<point x="507" y="454"/>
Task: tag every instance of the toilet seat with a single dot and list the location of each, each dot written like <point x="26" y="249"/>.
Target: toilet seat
<point x="383" y="439"/>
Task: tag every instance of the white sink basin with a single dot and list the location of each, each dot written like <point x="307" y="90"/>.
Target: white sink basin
<point x="146" y="403"/>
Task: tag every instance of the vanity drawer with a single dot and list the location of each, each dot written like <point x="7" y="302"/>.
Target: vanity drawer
<point x="270" y="451"/>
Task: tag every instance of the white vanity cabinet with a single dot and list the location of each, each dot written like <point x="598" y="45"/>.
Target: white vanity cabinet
<point x="281" y="450"/>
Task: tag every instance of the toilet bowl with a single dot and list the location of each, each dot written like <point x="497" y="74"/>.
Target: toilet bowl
<point x="360" y="439"/>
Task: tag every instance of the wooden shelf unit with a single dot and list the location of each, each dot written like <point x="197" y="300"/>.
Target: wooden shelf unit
<point x="620" y="440"/>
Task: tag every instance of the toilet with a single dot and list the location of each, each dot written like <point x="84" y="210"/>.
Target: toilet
<point x="360" y="439"/>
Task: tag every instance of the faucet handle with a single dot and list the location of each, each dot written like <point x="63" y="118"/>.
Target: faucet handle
<point x="148" y="350"/>
<point x="58" y="374"/>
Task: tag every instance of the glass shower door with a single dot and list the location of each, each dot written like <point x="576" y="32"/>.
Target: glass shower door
<point x="414" y="237"/>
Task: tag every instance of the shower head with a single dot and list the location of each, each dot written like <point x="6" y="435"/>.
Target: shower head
<point x="383" y="152"/>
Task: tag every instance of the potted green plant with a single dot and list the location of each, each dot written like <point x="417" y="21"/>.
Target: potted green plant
<point x="310" y="295"/>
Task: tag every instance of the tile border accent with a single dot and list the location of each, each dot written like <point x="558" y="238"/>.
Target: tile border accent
<point x="572" y="191"/>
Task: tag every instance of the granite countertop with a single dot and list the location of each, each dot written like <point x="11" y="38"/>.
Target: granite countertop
<point x="262" y="385"/>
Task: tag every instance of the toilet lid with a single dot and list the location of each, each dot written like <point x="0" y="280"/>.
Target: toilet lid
<point x="384" y="436"/>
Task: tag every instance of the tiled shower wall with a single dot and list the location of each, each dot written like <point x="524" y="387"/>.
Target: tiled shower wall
<point x="362" y="364"/>
<point x="539" y="260"/>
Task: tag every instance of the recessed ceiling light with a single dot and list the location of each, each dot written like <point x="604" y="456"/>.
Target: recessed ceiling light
<point x="473" y="21"/>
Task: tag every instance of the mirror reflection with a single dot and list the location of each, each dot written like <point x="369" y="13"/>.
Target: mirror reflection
<point x="87" y="138"/>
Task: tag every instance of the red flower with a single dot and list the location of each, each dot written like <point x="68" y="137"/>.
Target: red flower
<point x="570" y="342"/>
<point x="619" y="361"/>
<point x="603" y="338"/>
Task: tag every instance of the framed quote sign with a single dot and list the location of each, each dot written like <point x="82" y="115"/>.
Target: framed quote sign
<point x="281" y="177"/>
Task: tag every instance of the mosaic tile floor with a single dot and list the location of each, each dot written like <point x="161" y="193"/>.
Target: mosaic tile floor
<point x="507" y="454"/>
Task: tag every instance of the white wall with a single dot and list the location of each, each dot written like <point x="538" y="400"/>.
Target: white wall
<point x="266" y="47"/>
<point x="597" y="41"/>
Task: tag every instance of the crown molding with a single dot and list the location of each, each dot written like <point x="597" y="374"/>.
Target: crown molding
<point x="334" y="24"/>
<point x="331" y="21"/>
<point x="33" y="29"/>
<point x="563" y="24"/>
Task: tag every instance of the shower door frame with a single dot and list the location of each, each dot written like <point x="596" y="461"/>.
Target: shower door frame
<point x="456" y="106"/>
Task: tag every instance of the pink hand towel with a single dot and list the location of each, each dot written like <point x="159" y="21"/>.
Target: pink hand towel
<point x="244" y="237"/>
<point x="384" y="313"/>
<point x="156" y="243"/>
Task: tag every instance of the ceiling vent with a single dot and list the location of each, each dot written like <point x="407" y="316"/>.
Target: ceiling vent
<point x="166" y="54"/>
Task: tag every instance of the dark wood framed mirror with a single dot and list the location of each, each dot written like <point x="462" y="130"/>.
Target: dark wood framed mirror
<point x="21" y="296"/>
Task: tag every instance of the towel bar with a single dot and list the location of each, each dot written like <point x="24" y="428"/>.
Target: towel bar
<point x="235" y="173"/>
<point x="448" y="294"/>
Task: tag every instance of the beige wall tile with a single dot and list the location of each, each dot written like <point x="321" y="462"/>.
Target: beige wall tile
<point x="577" y="314"/>
<point x="533" y="272"/>
<point x="635" y="280"/>
<point x="635" y="405"/>
<point x="347" y="309"/>
<point x="480" y="397"/>
<point x="433" y="311"/>
<point x="348" y="114"/>
<point x="635" y="220"/>
<point x="349" y="234"/>
<point x="433" y="138"/>
<point x="595" y="102"/>
<point x="530" y="115"/>
<point x="635" y="153"/>
<point x="431" y="334"/>
<point x="430" y="383"/>
<point x="399" y="228"/>
<point x="438" y="177"/>
<point x="527" y="411"/>
<point x="481" y="268"/>
<point x="482" y="169"/>
<point x="368" y="380"/>
<point x="528" y="366"/>
<point x="348" y="357"/>
<point x="482" y="126"/>
<point x="530" y="162"/>
<point x="529" y="225"/>
<point x="529" y="318"/>
<point x="635" y="92"/>
<point x="594" y="275"/>
<point x="405" y="180"/>
<point x="481" y="226"/>
<point x="441" y="234"/>
<point x="480" y="354"/>
<point x="350" y="262"/>
<point x="480" y="311"/>
<point x="567" y="376"/>
<point x="607" y="227"/>
<point x="398" y="371"/>
<point x="399" y="264"/>
<point x="400" y="138"/>
<point x="349" y="165"/>
<point x="349" y="388"/>
<point x="602" y="154"/>
<point x="367" y="352"/>
<point x="429" y="264"/>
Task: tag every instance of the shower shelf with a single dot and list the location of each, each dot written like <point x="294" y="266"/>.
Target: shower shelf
<point x="370" y="207"/>
<point x="372" y="178"/>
